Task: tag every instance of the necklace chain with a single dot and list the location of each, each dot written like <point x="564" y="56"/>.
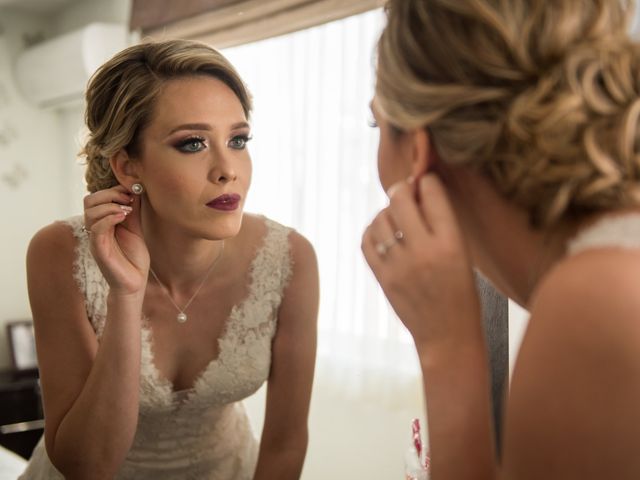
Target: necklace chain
<point x="182" y="317"/>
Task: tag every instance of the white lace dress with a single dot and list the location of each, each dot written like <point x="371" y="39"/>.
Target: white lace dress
<point x="203" y="432"/>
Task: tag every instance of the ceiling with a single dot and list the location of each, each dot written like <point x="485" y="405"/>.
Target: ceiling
<point x="39" y="7"/>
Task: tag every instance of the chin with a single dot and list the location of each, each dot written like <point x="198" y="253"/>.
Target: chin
<point x="222" y="228"/>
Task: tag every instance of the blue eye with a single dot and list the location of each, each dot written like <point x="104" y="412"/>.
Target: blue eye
<point x="239" y="142"/>
<point x="192" y="145"/>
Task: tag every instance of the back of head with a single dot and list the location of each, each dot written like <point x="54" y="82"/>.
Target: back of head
<point x="121" y="95"/>
<point x="541" y="96"/>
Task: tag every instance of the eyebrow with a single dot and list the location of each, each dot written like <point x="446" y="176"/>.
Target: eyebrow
<point x="205" y="126"/>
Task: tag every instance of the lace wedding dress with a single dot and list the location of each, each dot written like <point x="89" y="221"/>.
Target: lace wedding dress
<point x="203" y="432"/>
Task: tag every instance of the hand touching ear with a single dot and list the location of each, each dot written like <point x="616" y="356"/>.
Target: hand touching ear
<point x="112" y="220"/>
<point x="416" y="251"/>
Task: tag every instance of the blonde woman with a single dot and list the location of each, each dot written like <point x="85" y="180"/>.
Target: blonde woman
<point x="164" y="305"/>
<point x="510" y="142"/>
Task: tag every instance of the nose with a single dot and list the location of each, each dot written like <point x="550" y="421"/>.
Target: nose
<point x="222" y="169"/>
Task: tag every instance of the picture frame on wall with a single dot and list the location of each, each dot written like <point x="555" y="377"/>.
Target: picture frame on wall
<point x="22" y="345"/>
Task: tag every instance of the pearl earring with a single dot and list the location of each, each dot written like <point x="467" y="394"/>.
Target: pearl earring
<point x="137" y="188"/>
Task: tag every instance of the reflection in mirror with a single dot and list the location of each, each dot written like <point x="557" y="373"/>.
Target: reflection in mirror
<point x="315" y="148"/>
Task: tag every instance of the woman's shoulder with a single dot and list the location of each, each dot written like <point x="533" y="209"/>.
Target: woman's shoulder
<point x="587" y="308"/>
<point x="261" y="227"/>
<point x="596" y="283"/>
<point x="278" y="245"/>
<point x="55" y="241"/>
<point x="575" y="383"/>
<point x="50" y="258"/>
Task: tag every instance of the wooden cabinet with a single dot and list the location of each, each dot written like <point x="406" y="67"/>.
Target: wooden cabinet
<point x="21" y="417"/>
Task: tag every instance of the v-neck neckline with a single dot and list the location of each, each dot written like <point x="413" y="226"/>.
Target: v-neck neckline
<point x="185" y="394"/>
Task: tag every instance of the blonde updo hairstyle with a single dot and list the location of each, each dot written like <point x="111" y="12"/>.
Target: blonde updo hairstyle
<point x="542" y="96"/>
<point x="121" y="95"/>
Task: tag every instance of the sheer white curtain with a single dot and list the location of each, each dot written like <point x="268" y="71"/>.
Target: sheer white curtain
<point x="314" y="157"/>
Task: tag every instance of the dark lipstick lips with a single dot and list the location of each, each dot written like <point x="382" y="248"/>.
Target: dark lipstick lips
<point x="225" y="202"/>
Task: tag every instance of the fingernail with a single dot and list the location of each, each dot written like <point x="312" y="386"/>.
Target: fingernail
<point x="392" y="189"/>
<point x="126" y="209"/>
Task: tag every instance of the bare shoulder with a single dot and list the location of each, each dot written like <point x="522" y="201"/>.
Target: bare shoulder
<point x="591" y="287"/>
<point x="302" y="251"/>
<point x="50" y="281"/>
<point x="572" y="410"/>
<point x="51" y="249"/>
<point x="254" y="229"/>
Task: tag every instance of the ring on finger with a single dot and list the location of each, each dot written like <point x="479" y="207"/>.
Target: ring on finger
<point x="383" y="247"/>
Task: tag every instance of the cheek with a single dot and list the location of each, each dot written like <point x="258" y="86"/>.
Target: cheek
<point x="386" y="169"/>
<point x="249" y="173"/>
<point x="174" y="185"/>
<point x="394" y="162"/>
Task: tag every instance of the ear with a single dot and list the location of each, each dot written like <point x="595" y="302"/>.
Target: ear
<point x="124" y="169"/>
<point x="423" y="156"/>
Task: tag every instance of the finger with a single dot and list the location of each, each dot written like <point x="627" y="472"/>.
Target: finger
<point x="117" y="194"/>
<point x="133" y="222"/>
<point x="385" y="235"/>
<point x="107" y="223"/>
<point x="436" y="206"/>
<point x="405" y="213"/>
<point x="95" y="214"/>
<point x="369" y="251"/>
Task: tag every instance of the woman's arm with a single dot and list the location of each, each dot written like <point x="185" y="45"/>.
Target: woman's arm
<point x="90" y="390"/>
<point x="285" y="434"/>
<point x="427" y="277"/>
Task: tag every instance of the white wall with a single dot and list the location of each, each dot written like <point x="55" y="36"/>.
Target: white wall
<point x="71" y="118"/>
<point x="38" y="148"/>
<point x="30" y="153"/>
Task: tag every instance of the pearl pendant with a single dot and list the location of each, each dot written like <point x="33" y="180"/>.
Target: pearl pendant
<point x="182" y="317"/>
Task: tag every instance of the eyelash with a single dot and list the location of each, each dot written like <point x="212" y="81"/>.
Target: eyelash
<point x="245" y="139"/>
<point x="202" y="141"/>
<point x="182" y="144"/>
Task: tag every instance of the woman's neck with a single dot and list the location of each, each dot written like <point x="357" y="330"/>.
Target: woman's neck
<point x="510" y="252"/>
<point x="179" y="260"/>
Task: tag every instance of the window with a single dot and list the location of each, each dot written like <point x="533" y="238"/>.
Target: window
<point x="314" y="157"/>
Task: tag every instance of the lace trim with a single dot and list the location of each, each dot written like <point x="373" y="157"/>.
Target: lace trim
<point x="615" y="231"/>
<point x="244" y="355"/>
<point x="88" y="277"/>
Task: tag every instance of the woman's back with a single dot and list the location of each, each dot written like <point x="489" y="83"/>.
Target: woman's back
<point x="576" y="385"/>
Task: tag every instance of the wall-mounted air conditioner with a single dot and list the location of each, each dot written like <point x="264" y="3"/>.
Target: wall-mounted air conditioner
<point x="55" y="73"/>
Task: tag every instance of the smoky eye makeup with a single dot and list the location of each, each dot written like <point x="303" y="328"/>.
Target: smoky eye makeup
<point x="239" y="141"/>
<point x="191" y="144"/>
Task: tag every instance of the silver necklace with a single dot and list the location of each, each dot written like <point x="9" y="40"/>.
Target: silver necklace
<point x="182" y="317"/>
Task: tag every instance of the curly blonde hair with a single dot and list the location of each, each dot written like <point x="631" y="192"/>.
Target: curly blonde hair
<point x="541" y="96"/>
<point x="121" y="95"/>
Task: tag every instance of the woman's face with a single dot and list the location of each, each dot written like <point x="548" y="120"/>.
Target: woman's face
<point x="394" y="151"/>
<point x="194" y="164"/>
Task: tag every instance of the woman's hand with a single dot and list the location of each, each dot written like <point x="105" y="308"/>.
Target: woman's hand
<point x="416" y="251"/>
<point x="112" y="219"/>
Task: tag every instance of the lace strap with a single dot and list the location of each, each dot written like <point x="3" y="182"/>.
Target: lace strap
<point x="616" y="231"/>
<point x="273" y="265"/>
<point x="88" y="276"/>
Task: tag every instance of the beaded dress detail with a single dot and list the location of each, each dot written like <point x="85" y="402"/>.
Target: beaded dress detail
<point x="202" y="432"/>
